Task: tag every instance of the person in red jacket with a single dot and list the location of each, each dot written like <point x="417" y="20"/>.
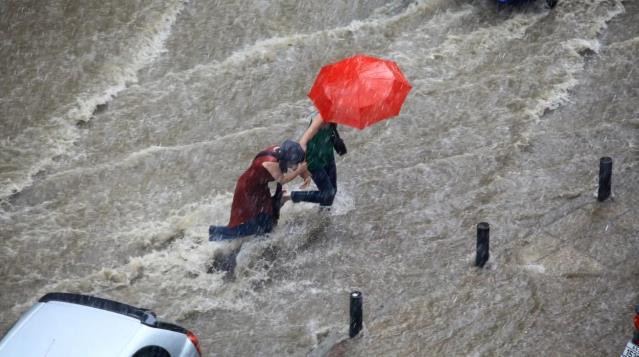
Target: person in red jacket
<point x="254" y="210"/>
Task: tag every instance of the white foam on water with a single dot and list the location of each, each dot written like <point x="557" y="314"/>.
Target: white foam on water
<point x="165" y="278"/>
<point x="633" y="42"/>
<point x="267" y="49"/>
<point x="537" y="268"/>
<point x="560" y="93"/>
<point x="62" y="132"/>
<point x="140" y="156"/>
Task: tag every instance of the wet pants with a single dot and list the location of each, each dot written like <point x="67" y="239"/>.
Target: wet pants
<point x="261" y="224"/>
<point x="326" y="181"/>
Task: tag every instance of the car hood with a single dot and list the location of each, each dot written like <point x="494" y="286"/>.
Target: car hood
<point x="62" y="329"/>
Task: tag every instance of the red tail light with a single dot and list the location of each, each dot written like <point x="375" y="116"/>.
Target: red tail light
<point x="195" y="341"/>
<point x="637" y="321"/>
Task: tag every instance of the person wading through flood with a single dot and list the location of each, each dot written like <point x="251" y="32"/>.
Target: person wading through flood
<point x="319" y="141"/>
<point x="253" y="210"/>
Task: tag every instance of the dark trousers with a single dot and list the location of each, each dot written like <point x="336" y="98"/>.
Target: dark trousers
<point x="261" y="224"/>
<point x="326" y="181"/>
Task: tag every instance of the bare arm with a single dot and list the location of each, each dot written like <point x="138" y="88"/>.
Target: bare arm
<point x="315" y="126"/>
<point x="274" y="169"/>
<point x="306" y="175"/>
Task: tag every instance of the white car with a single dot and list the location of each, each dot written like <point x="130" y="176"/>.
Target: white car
<point x="74" y="325"/>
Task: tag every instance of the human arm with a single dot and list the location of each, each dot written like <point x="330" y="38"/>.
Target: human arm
<point x="315" y="126"/>
<point x="274" y="169"/>
<point x="306" y="175"/>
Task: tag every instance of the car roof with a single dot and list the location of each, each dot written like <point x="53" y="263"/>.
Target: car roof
<point x="59" y="328"/>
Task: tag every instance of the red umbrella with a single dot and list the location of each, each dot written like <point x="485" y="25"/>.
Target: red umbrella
<point x="359" y="91"/>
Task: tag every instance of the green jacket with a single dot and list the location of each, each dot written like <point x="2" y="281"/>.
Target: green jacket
<point x="319" y="150"/>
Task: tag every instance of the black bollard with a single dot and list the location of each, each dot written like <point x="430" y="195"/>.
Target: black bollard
<point x="482" y="254"/>
<point x="356" y="314"/>
<point x="605" y="178"/>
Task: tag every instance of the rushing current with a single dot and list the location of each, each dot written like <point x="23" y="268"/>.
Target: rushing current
<point x="125" y="125"/>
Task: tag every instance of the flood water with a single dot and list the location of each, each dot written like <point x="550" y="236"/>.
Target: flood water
<point x="126" y="124"/>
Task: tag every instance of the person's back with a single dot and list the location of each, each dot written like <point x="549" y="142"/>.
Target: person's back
<point x="319" y="151"/>
<point x="252" y="195"/>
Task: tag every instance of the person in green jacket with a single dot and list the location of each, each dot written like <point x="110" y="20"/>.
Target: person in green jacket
<point x="319" y="141"/>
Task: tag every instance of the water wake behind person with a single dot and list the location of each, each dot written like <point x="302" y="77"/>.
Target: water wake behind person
<point x="254" y="210"/>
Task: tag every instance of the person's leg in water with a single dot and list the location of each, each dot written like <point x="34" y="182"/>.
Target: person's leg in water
<point x="278" y="201"/>
<point x="261" y="224"/>
<point x="332" y="174"/>
<point x="326" y="181"/>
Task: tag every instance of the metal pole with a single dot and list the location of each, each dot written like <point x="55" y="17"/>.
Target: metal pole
<point x="356" y="314"/>
<point x="605" y="178"/>
<point x="482" y="255"/>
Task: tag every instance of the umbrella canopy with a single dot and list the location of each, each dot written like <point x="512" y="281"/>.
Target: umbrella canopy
<point x="359" y="91"/>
